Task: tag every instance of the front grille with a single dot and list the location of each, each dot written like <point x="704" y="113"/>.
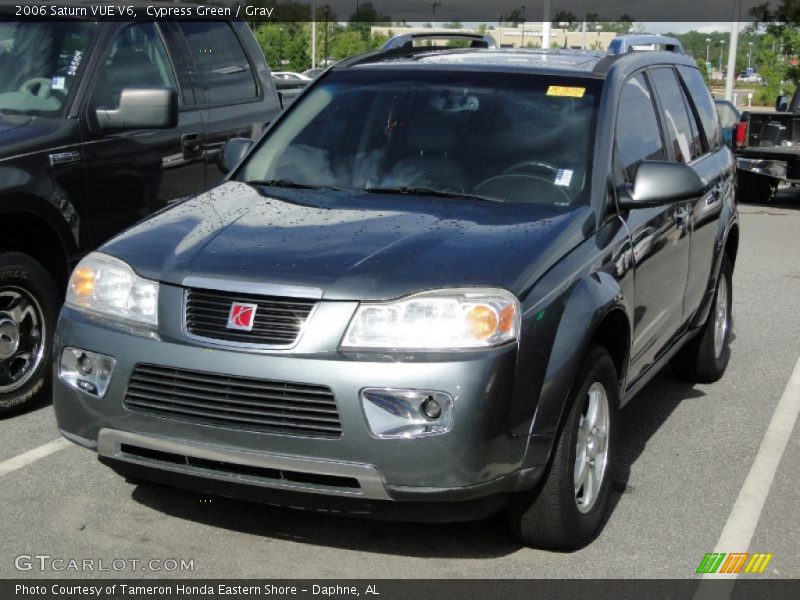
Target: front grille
<point x="234" y="402"/>
<point x="277" y="322"/>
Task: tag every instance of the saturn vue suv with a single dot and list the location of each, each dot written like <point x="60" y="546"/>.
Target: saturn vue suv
<point x="424" y="294"/>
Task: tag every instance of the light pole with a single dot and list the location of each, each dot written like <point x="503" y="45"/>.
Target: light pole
<point x="522" y="43"/>
<point x="327" y="18"/>
<point x="749" y="57"/>
<point x="546" y="25"/>
<point x="708" y="48"/>
<point x="434" y="6"/>
<point x="313" y="33"/>
<point x="721" y="52"/>
<point x="597" y="28"/>
<point x="583" y="24"/>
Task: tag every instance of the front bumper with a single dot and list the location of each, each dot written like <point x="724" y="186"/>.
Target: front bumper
<point x="477" y="458"/>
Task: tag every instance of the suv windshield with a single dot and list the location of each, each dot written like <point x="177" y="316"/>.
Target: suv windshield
<point x="498" y="136"/>
<point x="39" y="62"/>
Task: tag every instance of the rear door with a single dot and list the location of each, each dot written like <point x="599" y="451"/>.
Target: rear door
<point x="660" y="235"/>
<point x="131" y="173"/>
<point x="237" y="97"/>
<point x="715" y="168"/>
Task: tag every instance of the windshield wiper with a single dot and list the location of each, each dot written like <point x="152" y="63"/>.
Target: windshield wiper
<point x="286" y="183"/>
<point x="421" y="191"/>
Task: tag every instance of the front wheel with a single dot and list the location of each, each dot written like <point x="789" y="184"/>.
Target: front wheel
<point x="567" y="508"/>
<point x="29" y="302"/>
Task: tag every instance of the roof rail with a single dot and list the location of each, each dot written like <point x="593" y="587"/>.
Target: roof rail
<point x="406" y="40"/>
<point x="631" y="43"/>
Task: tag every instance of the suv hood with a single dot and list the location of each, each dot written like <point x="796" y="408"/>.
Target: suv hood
<point x="350" y="246"/>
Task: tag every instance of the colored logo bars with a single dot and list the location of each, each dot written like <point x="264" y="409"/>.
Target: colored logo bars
<point x="721" y="562"/>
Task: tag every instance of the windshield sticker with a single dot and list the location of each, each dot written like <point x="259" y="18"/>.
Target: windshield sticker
<point x="568" y="92"/>
<point x="564" y="177"/>
<point x="58" y="83"/>
<point x="75" y="63"/>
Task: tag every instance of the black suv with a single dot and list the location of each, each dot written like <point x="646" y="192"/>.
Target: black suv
<point x="425" y="293"/>
<point x="101" y="123"/>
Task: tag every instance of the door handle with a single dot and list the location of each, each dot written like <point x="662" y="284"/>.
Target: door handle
<point x="191" y="145"/>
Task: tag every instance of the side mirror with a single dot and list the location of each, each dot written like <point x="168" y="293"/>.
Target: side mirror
<point x="657" y="183"/>
<point x="782" y="103"/>
<point x="232" y="153"/>
<point x="155" y="108"/>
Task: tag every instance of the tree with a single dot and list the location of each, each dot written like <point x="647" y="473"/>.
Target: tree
<point x="285" y="45"/>
<point x="565" y="16"/>
<point x="782" y="25"/>
<point x="621" y="26"/>
<point x="513" y="19"/>
<point x="365" y="18"/>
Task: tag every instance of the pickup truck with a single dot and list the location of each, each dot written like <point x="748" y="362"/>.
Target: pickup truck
<point x="767" y="148"/>
<point x="101" y="124"/>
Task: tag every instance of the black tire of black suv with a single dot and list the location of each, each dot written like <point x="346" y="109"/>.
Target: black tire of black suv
<point x="701" y="361"/>
<point x="752" y="188"/>
<point x="548" y="517"/>
<point x="29" y="303"/>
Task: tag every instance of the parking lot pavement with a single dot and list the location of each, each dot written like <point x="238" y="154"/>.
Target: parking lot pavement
<point x="686" y="452"/>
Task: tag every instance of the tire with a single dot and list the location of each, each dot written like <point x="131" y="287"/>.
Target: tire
<point x="29" y="303"/>
<point x="705" y="358"/>
<point x="754" y="188"/>
<point x="549" y="516"/>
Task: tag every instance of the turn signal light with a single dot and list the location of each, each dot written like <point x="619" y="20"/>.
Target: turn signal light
<point x="83" y="282"/>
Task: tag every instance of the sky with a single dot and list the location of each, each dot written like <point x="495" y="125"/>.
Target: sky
<point x="683" y="27"/>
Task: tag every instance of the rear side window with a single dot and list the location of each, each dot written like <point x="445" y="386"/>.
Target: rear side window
<point x="728" y="115"/>
<point x="678" y="127"/>
<point x="703" y="104"/>
<point x="222" y="64"/>
<point x="638" y="135"/>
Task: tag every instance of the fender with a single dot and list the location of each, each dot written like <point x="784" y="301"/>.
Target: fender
<point x="22" y="192"/>
<point x="590" y="301"/>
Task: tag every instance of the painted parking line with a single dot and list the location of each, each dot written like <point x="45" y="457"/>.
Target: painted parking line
<point x="31" y="456"/>
<point x="743" y="518"/>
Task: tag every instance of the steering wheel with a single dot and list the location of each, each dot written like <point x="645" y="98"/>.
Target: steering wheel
<point x="43" y="93"/>
<point x="531" y="167"/>
<point x="522" y="188"/>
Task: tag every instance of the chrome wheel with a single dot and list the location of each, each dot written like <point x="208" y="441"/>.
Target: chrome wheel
<point x="721" y="318"/>
<point x="591" y="451"/>
<point x="22" y="337"/>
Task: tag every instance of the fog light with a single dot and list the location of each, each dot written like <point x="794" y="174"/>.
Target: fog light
<point x="431" y="408"/>
<point x="85" y="364"/>
<point x="399" y="413"/>
<point x="86" y="371"/>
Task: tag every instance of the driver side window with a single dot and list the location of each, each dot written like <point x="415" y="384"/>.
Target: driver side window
<point x="638" y="135"/>
<point x="137" y="59"/>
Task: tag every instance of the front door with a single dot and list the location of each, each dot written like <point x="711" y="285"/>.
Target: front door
<point x="659" y="235"/>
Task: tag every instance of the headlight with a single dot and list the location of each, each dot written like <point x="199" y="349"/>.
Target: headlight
<point x="107" y="286"/>
<point x="441" y="319"/>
